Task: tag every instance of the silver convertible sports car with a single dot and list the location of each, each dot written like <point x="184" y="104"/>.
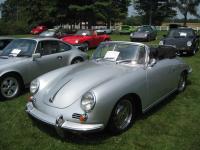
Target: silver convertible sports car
<point x="122" y="79"/>
<point x="22" y="60"/>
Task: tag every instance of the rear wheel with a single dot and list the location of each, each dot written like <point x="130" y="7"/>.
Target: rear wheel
<point x="76" y="60"/>
<point x="182" y="82"/>
<point x="122" y="116"/>
<point x="10" y="86"/>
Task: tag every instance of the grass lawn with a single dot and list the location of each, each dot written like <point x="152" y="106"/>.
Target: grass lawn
<point x="172" y="125"/>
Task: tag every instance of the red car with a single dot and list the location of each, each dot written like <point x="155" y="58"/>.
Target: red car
<point x="38" y="29"/>
<point x="85" y="39"/>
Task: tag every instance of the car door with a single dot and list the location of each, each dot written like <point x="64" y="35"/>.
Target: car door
<point x="160" y="80"/>
<point x="96" y="39"/>
<point x="50" y="57"/>
<point x="65" y="51"/>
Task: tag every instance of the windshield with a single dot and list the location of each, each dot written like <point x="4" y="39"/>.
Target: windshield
<point x="117" y="52"/>
<point x="180" y="33"/>
<point x="83" y="32"/>
<point x="47" y="33"/>
<point x="144" y="29"/>
<point x="19" y="47"/>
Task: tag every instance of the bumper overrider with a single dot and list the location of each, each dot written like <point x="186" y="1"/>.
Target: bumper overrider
<point x="59" y="122"/>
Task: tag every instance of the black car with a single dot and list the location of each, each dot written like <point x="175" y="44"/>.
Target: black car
<point x="185" y="40"/>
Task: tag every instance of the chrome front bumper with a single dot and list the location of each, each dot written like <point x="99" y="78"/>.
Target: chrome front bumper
<point x="78" y="127"/>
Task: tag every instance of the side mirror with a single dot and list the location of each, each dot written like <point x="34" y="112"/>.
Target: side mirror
<point x="152" y="62"/>
<point x="36" y="55"/>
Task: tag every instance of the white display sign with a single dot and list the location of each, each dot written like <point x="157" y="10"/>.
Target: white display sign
<point x="15" y="52"/>
<point x="112" y="55"/>
<point x="183" y="34"/>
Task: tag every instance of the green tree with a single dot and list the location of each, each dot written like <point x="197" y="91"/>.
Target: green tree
<point x="188" y="6"/>
<point x="154" y="11"/>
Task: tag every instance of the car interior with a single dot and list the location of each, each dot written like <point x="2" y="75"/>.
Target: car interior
<point x="162" y="52"/>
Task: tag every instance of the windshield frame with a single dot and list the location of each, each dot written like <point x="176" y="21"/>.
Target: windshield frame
<point x="129" y="61"/>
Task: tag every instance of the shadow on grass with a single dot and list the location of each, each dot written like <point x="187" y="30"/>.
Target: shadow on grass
<point x="73" y="137"/>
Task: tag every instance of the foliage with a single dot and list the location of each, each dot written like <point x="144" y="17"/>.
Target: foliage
<point x="51" y="12"/>
<point x="13" y="27"/>
<point x="133" y="21"/>
<point x="188" y="6"/>
<point x="154" y="11"/>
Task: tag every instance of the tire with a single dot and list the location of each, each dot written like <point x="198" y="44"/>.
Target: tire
<point x="11" y="86"/>
<point x="123" y="116"/>
<point x="182" y="82"/>
<point x="76" y="60"/>
<point x="193" y="52"/>
<point x="148" y="39"/>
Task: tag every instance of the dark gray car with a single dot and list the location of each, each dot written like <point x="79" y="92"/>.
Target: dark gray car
<point x="144" y="33"/>
<point x="25" y="59"/>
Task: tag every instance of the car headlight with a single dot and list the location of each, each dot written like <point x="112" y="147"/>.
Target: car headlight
<point x="88" y="101"/>
<point x="161" y="43"/>
<point x="76" y="41"/>
<point x="131" y="34"/>
<point x="145" y="34"/>
<point x="189" y="43"/>
<point x="35" y="84"/>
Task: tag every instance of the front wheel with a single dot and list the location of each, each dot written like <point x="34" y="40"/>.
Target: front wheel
<point x="122" y="116"/>
<point x="182" y="82"/>
<point x="10" y="87"/>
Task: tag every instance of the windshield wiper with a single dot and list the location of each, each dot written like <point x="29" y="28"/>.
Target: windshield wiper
<point x="107" y="58"/>
<point x="23" y="55"/>
<point x="125" y="60"/>
<point x="3" y="56"/>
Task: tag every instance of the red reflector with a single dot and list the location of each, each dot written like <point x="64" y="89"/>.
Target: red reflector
<point x="83" y="118"/>
<point x="30" y="99"/>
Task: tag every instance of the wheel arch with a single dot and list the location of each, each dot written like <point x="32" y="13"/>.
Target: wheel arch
<point x="14" y="73"/>
<point x="76" y="57"/>
<point x="135" y="99"/>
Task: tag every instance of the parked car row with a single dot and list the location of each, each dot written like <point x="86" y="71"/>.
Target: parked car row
<point x="122" y="79"/>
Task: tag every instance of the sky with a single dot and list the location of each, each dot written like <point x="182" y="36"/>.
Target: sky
<point x="132" y="12"/>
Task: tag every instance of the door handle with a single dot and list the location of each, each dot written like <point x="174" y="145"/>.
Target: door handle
<point x="59" y="57"/>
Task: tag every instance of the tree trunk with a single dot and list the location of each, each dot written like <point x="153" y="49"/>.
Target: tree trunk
<point x="185" y="19"/>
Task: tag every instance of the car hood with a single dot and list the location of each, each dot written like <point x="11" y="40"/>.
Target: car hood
<point x="178" y="42"/>
<point x="72" y="39"/>
<point x="140" y="34"/>
<point x="80" y="80"/>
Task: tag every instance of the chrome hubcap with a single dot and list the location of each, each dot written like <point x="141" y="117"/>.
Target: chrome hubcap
<point x="123" y="114"/>
<point x="182" y="83"/>
<point x="9" y="87"/>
